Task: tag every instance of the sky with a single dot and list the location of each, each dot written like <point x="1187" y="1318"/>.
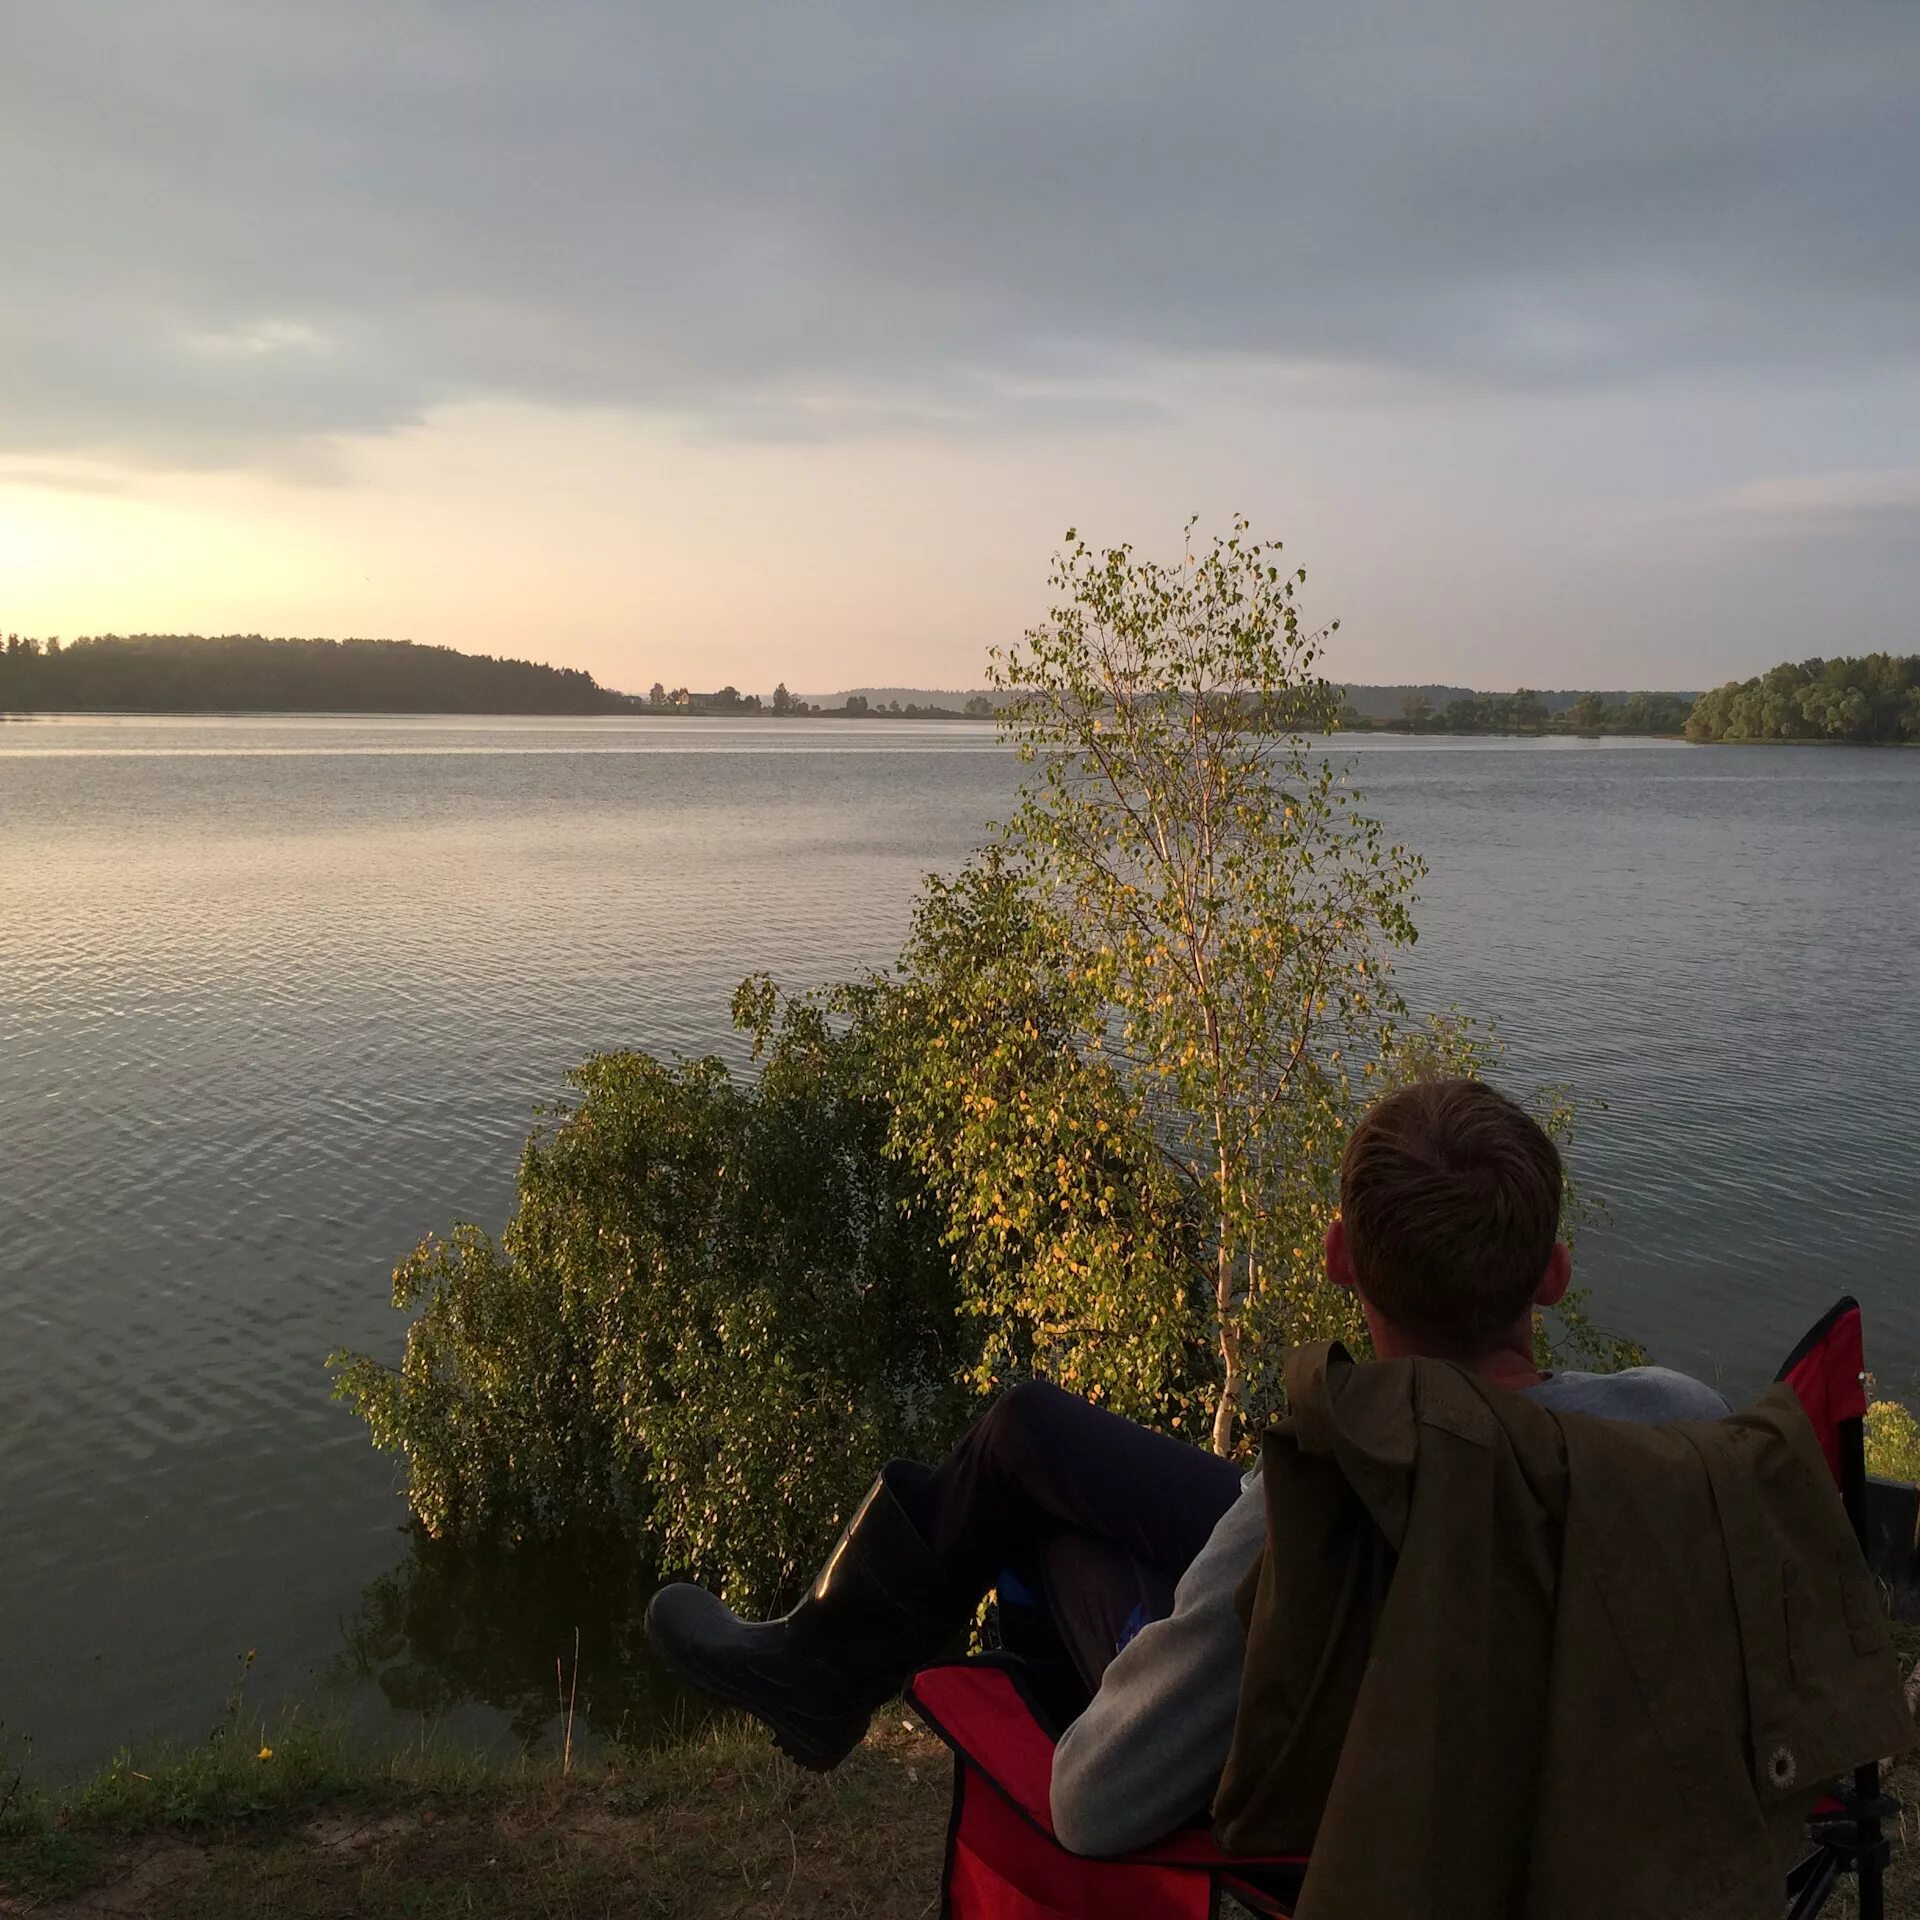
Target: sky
<point x="1563" y="344"/>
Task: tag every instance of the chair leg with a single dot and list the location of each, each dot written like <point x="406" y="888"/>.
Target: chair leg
<point x="1872" y="1892"/>
<point x="1814" y="1890"/>
<point x="1850" y="1840"/>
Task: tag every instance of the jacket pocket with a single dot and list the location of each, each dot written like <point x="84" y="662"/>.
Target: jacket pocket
<point x="1794" y="1612"/>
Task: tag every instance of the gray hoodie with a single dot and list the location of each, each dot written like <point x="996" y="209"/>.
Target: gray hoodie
<point x="1147" y="1754"/>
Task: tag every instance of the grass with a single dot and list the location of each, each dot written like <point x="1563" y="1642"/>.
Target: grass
<point x="716" y="1829"/>
<point x="293" y="1822"/>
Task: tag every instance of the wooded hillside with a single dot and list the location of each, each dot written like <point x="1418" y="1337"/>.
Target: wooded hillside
<point x="246" y="672"/>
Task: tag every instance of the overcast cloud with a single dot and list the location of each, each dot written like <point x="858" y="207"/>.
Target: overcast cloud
<point x="1485" y="302"/>
<point x="232" y="228"/>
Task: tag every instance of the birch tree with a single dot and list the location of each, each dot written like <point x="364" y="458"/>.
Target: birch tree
<point x="1227" y="907"/>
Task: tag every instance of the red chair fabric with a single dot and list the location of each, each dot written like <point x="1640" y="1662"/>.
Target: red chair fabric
<point x="1003" y="1862"/>
<point x="1827" y="1372"/>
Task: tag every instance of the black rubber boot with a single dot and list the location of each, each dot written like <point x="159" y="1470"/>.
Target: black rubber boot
<point x="881" y="1607"/>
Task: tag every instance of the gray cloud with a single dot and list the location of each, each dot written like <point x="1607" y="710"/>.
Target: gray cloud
<point x="233" y="229"/>
<point x="1820" y="498"/>
<point x="1864" y="518"/>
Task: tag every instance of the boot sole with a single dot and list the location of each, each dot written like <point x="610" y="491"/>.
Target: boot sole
<point x="816" y="1745"/>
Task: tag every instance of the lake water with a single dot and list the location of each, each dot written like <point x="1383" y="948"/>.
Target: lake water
<point x="277" y="996"/>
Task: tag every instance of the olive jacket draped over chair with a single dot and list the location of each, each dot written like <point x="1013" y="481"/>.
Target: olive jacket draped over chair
<point x="1508" y="1662"/>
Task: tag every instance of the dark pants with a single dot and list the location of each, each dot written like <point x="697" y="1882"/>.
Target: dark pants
<point x="1094" y="1518"/>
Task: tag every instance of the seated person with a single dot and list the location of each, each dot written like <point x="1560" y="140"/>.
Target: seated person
<point x="1128" y="1545"/>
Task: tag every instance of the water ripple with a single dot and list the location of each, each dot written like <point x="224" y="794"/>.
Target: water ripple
<point x="270" y="1015"/>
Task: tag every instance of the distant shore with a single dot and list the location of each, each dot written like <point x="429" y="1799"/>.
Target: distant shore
<point x="1868" y="700"/>
<point x="639" y="712"/>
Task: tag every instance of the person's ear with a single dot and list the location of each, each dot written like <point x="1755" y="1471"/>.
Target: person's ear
<point x="1339" y="1261"/>
<point x="1557" y="1278"/>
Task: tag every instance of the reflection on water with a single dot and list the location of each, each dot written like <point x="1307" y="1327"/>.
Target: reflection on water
<point x="522" y="1633"/>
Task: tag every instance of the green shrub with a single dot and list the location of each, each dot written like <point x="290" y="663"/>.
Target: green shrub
<point x="1893" y="1441"/>
<point x="711" y="1315"/>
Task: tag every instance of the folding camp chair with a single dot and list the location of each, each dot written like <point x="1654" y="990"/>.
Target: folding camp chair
<point x="1003" y="1862"/>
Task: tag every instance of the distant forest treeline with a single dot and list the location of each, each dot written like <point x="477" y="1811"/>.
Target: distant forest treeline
<point x="1873" y="699"/>
<point x="246" y="672"/>
<point x="250" y="673"/>
<point x="1525" y="711"/>
<point x="1428" y="708"/>
<point x="1424" y="706"/>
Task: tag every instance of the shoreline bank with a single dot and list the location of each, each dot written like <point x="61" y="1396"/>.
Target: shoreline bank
<point x="302" y="1823"/>
<point x="717" y="1828"/>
